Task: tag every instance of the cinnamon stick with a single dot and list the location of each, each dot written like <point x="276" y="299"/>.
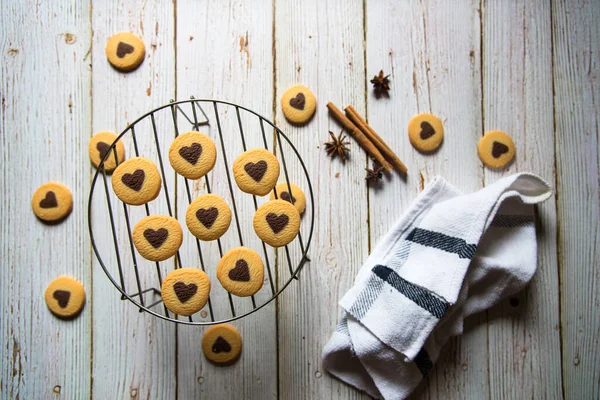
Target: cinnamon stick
<point x="355" y="117"/>
<point x="362" y="140"/>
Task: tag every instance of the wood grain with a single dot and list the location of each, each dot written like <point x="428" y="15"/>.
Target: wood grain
<point x="134" y="353"/>
<point x="517" y="65"/>
<point x="228" y="56"/>
<point x="320" y="45"/>
<point x="576" y="38"/>
<point x="45" y="88"/>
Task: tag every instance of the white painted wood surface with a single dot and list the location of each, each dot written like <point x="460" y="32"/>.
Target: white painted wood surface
<point x="529" y="68"/>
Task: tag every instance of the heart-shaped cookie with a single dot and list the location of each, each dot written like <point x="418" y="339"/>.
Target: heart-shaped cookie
<point x="207" y="216"/>
<point x="184" y="292"/>
<point x="49" y="201"/>
<point x="241" y="272"/>
<point x="256" y="170"/>
<point x="134" y="181"/>
<point x="191" y="153"/>
<point x="62" y="296"/>
<point x="123" y="49"/>
<point x="298" y="102"/>
<point x="156" y="237"/>
<point x="277" y="222"/>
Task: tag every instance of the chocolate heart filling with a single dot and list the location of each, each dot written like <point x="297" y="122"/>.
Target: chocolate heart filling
<point x="498" y="149"/>
<point x="298" y="102"/>
<point x="184" y="292"/>
<point x="241" y="272"/>
<point x="134" y="181"/>
<point x="123" y="49"/>
<point x="62" y="296"/>
<point x="49" y="201"/>
<point x="191" y="153"/>
<point x="277" y="222"/>
<point x="156" y="238"/>
<point x="207" y="216"/>
<point x="256" y="170"/>
<point x="221" y="346"/>
<point x="427" y="130"/>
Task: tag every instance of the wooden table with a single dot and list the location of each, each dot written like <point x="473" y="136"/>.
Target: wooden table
<point x="530" y="68"/>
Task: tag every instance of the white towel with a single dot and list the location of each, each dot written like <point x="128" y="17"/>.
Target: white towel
<point x="449" y="256"/>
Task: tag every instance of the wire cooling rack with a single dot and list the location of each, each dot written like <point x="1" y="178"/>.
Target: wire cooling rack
<point x="120" y="257"/>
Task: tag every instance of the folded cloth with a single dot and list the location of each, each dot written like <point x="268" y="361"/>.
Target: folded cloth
<point x="449" y="256"/>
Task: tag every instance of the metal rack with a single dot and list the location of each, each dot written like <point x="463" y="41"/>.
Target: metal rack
<point x="122" y="246"/>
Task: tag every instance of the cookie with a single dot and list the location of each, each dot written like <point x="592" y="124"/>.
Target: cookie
<point x="157" y="237"/>
<point x="100" y="144"/>
<point x="256" y="171"/>
<point x="298" y="104"/>
<point x="136" y="181"/>
<point x="192" y="155"/>
<point x="277" y="222"/>
<point x="208" y="217"/>
<point x="185" y="290"/>
<point x="496" y="149"/>
<point x="65" y="297"/>
<point x="241" y="272"/>
<point x="425" y="132"/>
<point x="52" y="202"/>
<point x="297" y="197"/>
<point x="125" y="51"/>
<point x="222" y="344"/>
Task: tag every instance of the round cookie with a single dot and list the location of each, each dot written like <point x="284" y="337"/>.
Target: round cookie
<point x="157" y="237"/>
<point x="136" y="181"/>
<point x="256" y="171"/>
<point x="208" y="217"/>
<point x="125" y="51"/>
<point x="52" y="202"/>
<point x="425" y="132"/>
<point x="65" y="297"/>
<point x="276" y="222"/>
<point x="222" y="344"/>
<point x="298" y="104"/>
<point x="185" y="290"/>
<point x="192" y="155"/>
<point x="241" y="272"/>
<point x="100" y="144"/>
<point x="297" y="198"/>
<point x="496" y="149"/>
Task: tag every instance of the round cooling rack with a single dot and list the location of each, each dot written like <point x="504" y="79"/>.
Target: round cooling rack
<point x="234" y="129"/>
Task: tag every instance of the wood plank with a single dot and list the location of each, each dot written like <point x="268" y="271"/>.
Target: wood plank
<point x="576" y="39"/>
<point x="227" y="56"/>
<point x="320" y="45"/>
<point x="45" y="82"/>
<point x="134" y="353"/>
<point x="524" y="337"/>
<point x="434" y="62"/>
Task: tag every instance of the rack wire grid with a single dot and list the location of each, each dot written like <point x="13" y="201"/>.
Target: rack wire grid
<point x="121" y="253"/>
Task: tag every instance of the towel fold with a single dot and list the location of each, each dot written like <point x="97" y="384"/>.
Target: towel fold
<point x="449" y="256"/>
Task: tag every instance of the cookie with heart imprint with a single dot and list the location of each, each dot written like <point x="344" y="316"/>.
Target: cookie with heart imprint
<point x="157" y="237"/>
<point x="222" y="344"/>
<point x="496" y="149"/>
<point x="185" y="290"/>
<point x="192" y="155"/>
<point x="256" y="171"/>
<point x="208" y="217"/>
<point x="297" y="197"/>
<point x="277" y="222"/>
<point x="136" y="181"/>
<point x="125" y="51"/>
<point x="425" y="132"/>
<point x="100" y="144"/>
<point x="65" y="297"/>
<point x="52" y="202"/>
<point x="241" y="272"/>
<point x="298" y="104"/>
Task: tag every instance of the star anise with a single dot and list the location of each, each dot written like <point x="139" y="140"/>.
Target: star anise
<point x="337" y="146"/>
<point x="381" y="84"/>
<point x="375" y="174"/>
